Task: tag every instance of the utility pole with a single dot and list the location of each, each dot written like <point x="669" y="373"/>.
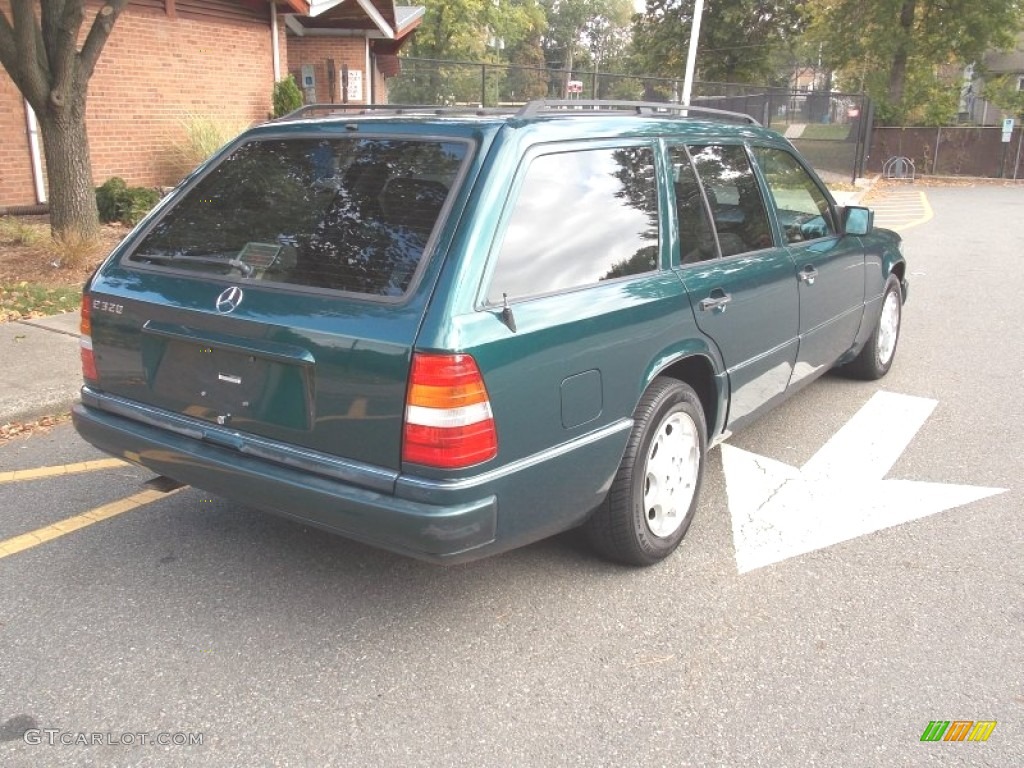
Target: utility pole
<point x="691" y="54"/>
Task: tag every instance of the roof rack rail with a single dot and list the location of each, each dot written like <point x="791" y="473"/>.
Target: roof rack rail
<point x="396" y="109"/>
<point x="568" y="106"/>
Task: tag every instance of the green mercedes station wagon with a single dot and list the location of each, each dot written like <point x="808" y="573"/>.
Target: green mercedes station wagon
<point x="450" y="332"/>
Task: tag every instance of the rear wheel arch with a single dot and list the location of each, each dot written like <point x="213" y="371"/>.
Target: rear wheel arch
<point x="698" y="372"/>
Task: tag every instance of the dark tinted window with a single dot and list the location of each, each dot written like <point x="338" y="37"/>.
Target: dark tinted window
<point x="736" y="204"/>
<point x="803" y="209"/>
<point x="696" y="232"/>
<point x="347" y="214"/>
<point x="580" y="217"/>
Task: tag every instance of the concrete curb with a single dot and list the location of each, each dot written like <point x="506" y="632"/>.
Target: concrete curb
<point x="41" y="375"/>
<point x="864" y="186"/>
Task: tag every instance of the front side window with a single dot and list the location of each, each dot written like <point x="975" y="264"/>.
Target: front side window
<point x="580" y="217"/>
<point x="344" y="214"/>
<point x="737" y="207"/>
<point x="804" y="211"/>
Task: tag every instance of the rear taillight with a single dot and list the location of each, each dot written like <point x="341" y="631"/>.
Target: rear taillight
<point x="85" y="340"/>
<point x="448" y="421"/>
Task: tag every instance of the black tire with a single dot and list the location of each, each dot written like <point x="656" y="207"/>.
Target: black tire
<point x="875" y="359"/>
<point x="623" y="528"/>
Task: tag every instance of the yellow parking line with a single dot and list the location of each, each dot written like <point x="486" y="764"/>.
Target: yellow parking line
<point x="62" y="469"/>
<point x="34" y="538"/>
<point x="926" y="215"/>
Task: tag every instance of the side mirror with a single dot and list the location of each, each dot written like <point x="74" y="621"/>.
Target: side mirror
<point x="857" y="220"/>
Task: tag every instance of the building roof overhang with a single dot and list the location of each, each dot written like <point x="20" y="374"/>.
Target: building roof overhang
<point x="293" y="6"/>
<point x="372" y="18"/>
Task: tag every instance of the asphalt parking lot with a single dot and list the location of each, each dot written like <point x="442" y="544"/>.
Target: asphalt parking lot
<point x="183" y="629"/>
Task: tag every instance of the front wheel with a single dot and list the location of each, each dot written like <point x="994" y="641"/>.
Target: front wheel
<point x="655" y="492"/>
<point x="875" y="360"/>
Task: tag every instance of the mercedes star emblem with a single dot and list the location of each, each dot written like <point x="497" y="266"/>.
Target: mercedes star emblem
<point x="229" y="299"/>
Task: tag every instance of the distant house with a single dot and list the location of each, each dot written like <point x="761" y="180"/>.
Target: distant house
<point x="167" y="60"/>
<point x="996" y="64"/>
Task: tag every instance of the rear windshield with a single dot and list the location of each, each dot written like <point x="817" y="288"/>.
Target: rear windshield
<point x="344" y="214"/>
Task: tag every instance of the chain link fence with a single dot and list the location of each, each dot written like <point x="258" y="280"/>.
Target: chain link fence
<point x="832" y="130"/>
<point x="952" y="151"/>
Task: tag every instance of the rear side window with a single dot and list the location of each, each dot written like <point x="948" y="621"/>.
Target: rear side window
<point x="804" y="212"/>
<point x="351" y="215"/>
<point x="696" y="232"/>
<point x="737" y="207"/>
<point x="580" y="217"/>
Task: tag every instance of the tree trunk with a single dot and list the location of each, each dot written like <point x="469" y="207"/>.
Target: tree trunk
<point x="898" y="73"/>
<point x="68" y="171"/>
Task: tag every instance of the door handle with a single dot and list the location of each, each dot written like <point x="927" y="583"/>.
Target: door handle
<point x="808" y="275"/>
<point x="716" y="301"/>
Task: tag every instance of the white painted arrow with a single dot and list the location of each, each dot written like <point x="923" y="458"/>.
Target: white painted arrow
<point x="779" y="511"/>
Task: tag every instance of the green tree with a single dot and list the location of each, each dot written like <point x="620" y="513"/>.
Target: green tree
<point x="39" y="49"/>
<point x="469" y="31"/>
<point x="529" y="79"/>
<point x="586" y="34"/>
<point x="1003" y="92"/>
<point x="907" y="54"/>
<point x="475" y="30"/>
<point x="737" y="39"/>
<point x="451" y="30"/>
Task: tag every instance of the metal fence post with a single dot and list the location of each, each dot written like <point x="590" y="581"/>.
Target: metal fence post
<point x="866" y="120"/>
<point x="1016" y="164"/>
<point x="483" y="85"/>
<point x="869" y="134"/>
<point x="938" y="141"/>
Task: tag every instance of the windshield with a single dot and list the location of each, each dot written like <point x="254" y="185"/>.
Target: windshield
<point x="346" y="214"/>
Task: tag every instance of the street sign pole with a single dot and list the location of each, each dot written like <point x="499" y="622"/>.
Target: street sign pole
<point x="1007" y="135"/>
<point x="1016" y="164"/>
<point x="691" y="54"/>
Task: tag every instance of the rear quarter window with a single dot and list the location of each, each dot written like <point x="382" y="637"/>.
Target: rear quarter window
<point x="351" y="215"/>
<point x="580" y="217"/>
<point x="737" y="208"/>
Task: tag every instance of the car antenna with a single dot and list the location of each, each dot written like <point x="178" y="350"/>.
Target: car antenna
<point x="506" y="313"/>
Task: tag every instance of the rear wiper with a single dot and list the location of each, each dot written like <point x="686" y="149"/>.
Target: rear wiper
<point x="238" y="264"/>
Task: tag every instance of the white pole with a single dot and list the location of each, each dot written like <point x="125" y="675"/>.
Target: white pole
<point x="35" y="154"/>
<point x="275" y="52"/>
<point x="691" y="55"/>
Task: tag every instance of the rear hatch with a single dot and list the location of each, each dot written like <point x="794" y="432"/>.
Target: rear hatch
<point x="278" y="293"/>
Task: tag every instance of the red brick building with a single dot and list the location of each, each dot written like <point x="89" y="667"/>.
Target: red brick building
<point x="167" y="60"/>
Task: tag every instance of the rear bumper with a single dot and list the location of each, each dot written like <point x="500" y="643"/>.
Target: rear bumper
<point x="440" y="520"/>
<point x="438" y="532"/>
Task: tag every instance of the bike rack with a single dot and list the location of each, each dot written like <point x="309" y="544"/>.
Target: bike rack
<point x="899" y="168"/>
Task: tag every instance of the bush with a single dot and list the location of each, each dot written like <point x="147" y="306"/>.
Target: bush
<point x="16" y="231"/>
<point x="72" y="250"/>
<point x="203" y="137"/>
<point x="287" y="97"/>
<point x="117" y="201"/>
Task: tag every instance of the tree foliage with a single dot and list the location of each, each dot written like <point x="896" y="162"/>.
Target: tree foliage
<point x="39" y="49"/>
<point x="908" y="54"/>
<point x="739" y="39"/>
<point x="1003" y="92"/>
<point x="529" y="79"/>
<point x="586" y="33"/>
<point x="475" y="30"/>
